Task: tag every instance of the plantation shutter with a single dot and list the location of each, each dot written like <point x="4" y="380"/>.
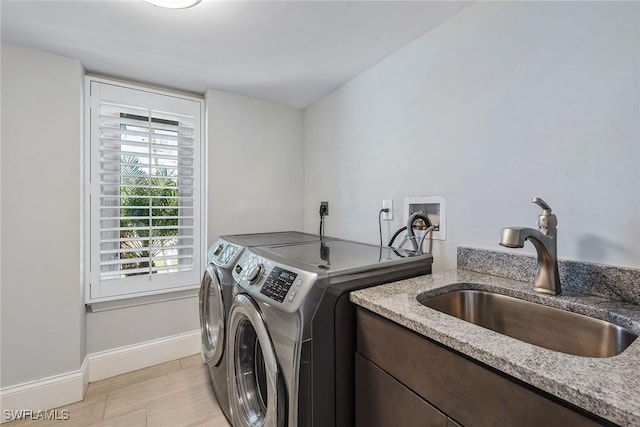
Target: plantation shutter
<point x="145" y="196"/>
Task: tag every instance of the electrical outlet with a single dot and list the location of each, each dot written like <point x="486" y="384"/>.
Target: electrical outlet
<point x="326" y="208"/>
<point x="387" y="204"/>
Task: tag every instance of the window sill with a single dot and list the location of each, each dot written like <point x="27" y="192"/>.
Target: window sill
<point x="132" y="301"/>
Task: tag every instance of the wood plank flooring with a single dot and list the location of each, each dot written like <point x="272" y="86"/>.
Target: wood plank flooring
<point x="173" y="394"/>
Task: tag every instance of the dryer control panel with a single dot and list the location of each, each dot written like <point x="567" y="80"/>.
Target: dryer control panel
<point x="278" y="284"/>
<point x="223" y="254"/>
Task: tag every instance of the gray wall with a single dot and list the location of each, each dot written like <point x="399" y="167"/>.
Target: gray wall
<point x="42" y="299"/>
<point x="505" y="101"/>
<point x="255" y="165"/>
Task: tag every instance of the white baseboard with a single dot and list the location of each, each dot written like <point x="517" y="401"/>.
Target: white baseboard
<point x="59" y="390"/>
<point x="121" y="360"/>
<point x="47" y="393"/>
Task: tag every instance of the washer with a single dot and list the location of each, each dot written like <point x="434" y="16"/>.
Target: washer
<point x="291" y="330"/>
<point x="216" y="294"/>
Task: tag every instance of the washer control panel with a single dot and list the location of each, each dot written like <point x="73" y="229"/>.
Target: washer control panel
<point x="223" y="253"/>
<point x="277" y="284"/>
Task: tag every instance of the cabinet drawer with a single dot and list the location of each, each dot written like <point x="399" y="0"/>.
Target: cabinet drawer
<point x="464" y="390"/>
<point x="381" y="401"/>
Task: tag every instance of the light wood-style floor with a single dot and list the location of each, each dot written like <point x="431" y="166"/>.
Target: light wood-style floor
<point x="172" y="394"/>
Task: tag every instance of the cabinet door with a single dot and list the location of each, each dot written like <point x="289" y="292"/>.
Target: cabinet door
<point x="463" y="389"/>
<point x="381" y="401"/>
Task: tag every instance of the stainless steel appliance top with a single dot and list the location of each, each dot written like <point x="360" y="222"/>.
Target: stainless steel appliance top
<point x="273" y="238"/>
<point x="336" y="257"/>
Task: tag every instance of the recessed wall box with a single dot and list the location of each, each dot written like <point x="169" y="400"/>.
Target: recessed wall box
<point x="434" y="207"/>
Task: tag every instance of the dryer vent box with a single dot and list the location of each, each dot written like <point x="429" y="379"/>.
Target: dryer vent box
<point x="434" y="207"/>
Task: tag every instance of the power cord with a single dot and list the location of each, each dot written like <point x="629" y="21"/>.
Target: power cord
<point x="323" y="212"/>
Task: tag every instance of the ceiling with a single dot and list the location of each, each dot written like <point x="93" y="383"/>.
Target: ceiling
<point x="293" y="52"/>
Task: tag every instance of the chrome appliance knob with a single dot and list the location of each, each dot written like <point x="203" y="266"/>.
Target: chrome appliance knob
<point x="218" y="249"/>
<point x="255" y="273"/>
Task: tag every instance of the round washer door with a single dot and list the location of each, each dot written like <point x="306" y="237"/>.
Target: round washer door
<point x="256" y="394"/>
<point x="212" y="317"/>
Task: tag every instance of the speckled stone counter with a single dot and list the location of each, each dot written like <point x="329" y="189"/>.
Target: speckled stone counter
<point x="607" y="387"/>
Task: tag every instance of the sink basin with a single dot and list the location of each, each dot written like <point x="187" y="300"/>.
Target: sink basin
<point x="536" y="324"/>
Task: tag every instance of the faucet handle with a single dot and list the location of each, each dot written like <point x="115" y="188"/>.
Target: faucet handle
<point x="546" y="219"/>
<point x="544" y="205"/>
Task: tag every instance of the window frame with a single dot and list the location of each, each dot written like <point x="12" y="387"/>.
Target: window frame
<point x="96" y="290"/>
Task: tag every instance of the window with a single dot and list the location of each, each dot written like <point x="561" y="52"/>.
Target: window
<point x="144" y="185"/>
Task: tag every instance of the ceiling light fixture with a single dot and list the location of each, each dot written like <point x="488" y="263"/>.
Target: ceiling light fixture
<point x="174" y="4"/>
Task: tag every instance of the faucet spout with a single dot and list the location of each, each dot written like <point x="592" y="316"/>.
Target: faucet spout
<point x="514" y="237"/>
<point x="544" y="239"/>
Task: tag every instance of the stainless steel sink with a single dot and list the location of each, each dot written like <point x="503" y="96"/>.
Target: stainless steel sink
<point x="536" y="324"/>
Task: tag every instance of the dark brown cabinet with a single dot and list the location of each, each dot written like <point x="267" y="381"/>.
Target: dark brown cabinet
<point x="404" y="379"/>
<point x="384" y="401"/>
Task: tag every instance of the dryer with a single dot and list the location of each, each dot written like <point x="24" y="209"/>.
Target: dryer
<point x="291" y="329"/>
<point x="216" y="294"/>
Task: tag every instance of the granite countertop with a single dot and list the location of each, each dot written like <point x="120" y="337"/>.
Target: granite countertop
<point x="607" y="387"/>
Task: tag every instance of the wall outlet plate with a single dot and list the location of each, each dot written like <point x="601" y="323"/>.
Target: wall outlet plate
<point x="387" y="204"/>
<point x="326" y="208"/>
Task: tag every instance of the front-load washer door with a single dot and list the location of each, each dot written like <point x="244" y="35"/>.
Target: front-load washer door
<point x="256" y="394"/>
<point x="212" y="317"/>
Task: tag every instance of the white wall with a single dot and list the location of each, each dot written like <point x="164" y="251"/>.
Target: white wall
<point x="505" y="101"/>
<point x="255" y="165"/>
<point x="42" y="301"/>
